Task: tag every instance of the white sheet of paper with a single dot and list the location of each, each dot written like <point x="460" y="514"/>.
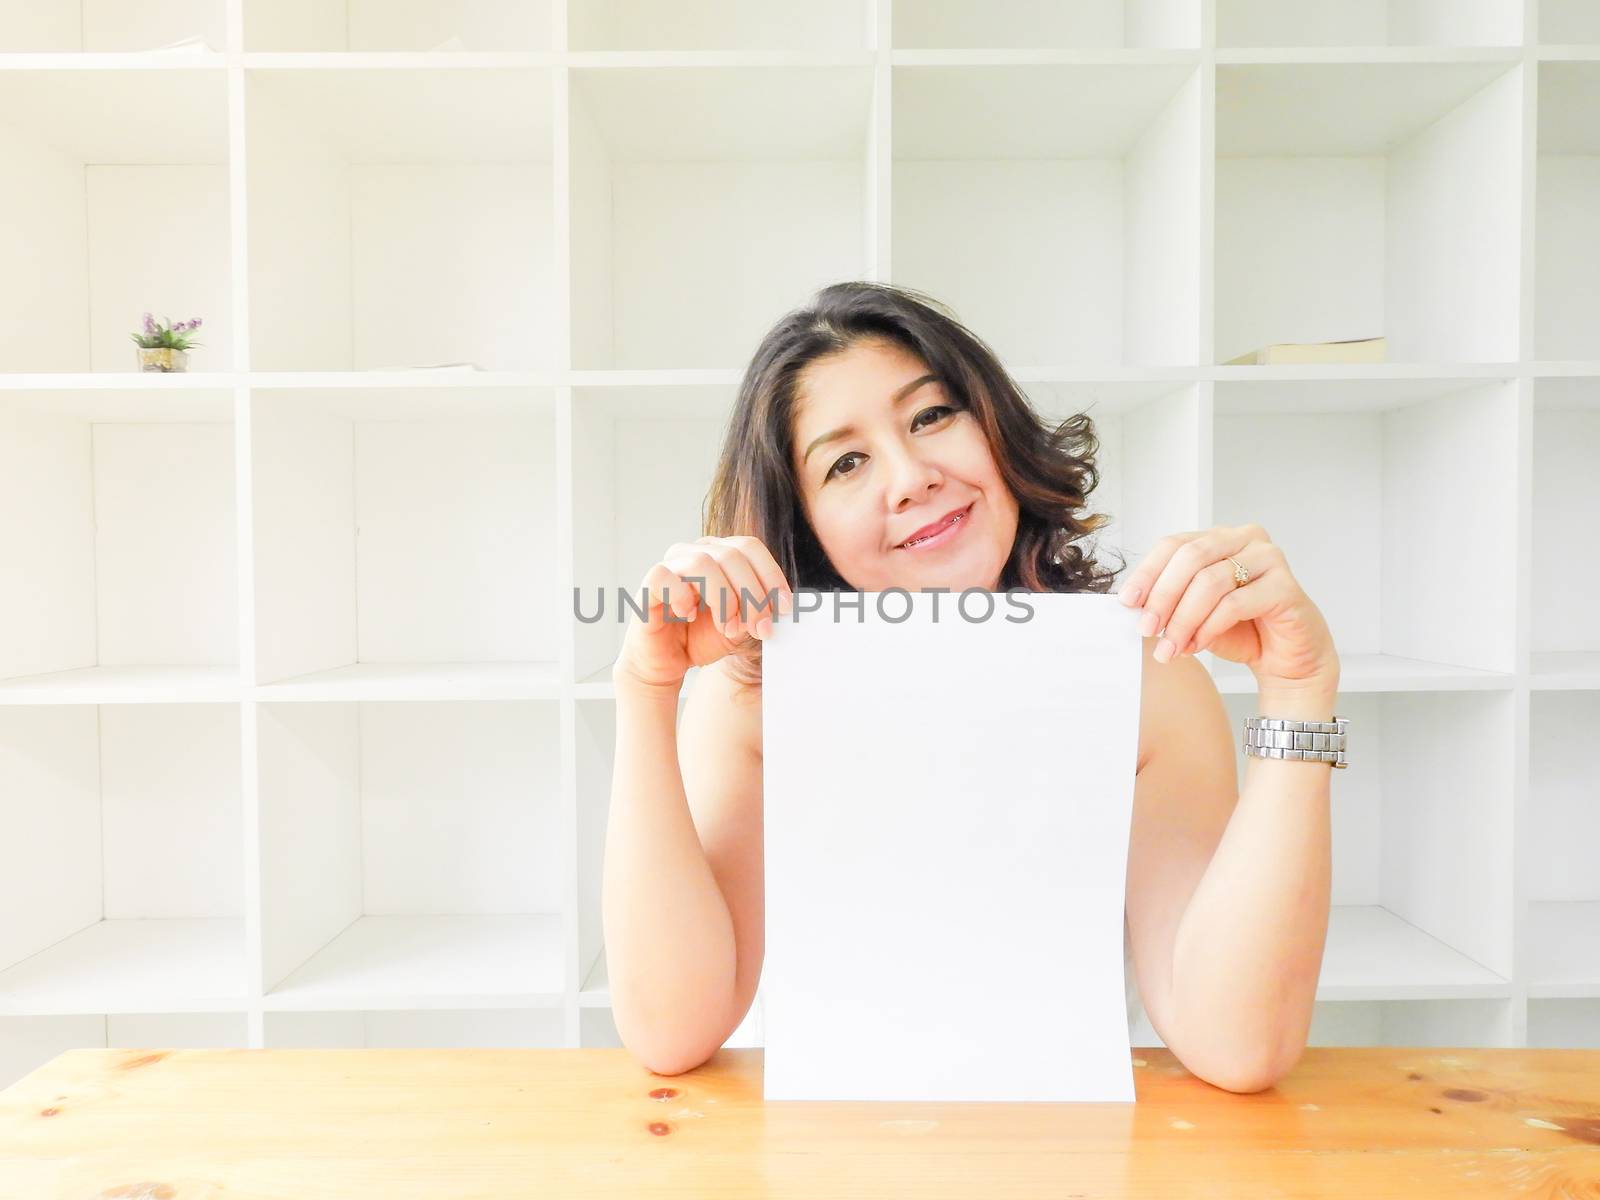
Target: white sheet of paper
<point x="947" y="806"/>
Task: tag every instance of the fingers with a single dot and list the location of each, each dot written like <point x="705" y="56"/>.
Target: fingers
<point x="734" y="582"/>
<point x="1208" y="592"/>
<point x="1188" y="574"/>
<point x="772" y="594"/>
<point x="738" y="602"/>
<point x="1136" y="587"/>
<point x="1264" y="592"/>
<point x="664" y="589"/>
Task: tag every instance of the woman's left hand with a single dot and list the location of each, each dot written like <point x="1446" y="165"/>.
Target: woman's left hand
<point x="1187" y="587"/>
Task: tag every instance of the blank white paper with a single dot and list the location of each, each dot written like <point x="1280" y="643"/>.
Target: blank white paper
<point x="946" y="808"/>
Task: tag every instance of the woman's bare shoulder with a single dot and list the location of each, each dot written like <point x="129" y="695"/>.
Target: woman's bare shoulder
<point x="732" y="705"/>
<point x="1170" y="693"/>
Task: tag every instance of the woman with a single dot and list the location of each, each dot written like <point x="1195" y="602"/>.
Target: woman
<point x="877" y="443"/>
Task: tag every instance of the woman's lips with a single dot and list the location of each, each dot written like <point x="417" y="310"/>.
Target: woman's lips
<point x="946" y="535"/>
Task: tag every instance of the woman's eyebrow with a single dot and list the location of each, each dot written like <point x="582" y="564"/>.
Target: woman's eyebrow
<point x="894" y="400"/>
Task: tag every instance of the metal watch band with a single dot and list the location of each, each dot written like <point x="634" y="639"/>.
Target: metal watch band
<point x="1303" y="741"/>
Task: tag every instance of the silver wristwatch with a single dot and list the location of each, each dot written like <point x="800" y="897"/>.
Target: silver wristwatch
<point x="1304" y="741"/>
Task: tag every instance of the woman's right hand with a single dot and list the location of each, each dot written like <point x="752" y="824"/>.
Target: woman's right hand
<point x="658" y="652"/>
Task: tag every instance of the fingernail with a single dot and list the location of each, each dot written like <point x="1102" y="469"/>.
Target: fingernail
<point x="1164" y="649"/>
<point x="1129" y="594"/>
<point x="1150" y="622"/>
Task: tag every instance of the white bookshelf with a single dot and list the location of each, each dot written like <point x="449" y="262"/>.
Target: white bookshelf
<point x="301" y="742"/>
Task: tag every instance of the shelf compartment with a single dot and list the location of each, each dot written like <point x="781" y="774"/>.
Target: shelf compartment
<point x="596" y="989"/>
<point x="598" y="1028"/>
<point x="145" y="965"/>
<point x="1373" y="673"/>
<point x="1368" y="23"/>
<point x="129" y="818"/>
<point x="411" y="855"/>
<point x="124" y="685"/>
<point x="717" y="25"/>
<point x="1371" y="179"/>
<point x="112" y="219"/>
<point x="418" y="681"/>
<point x="595" y="756"/>
<point x="1569" y="22"/>
<point x="1399" y="462"/>
<point x="117" y="510"/>
<point x="376" y="193"/>
<point x="682" y="179"/>
<point x="1011" y="24"/>
<point x="1444" y="1024"/>
<point x="1567" y="272"/>
<point x="1369" y="949"/>
<point x="1564" y="1024"/>
<point x="383" y="961"/>
<point x="1148" y="436"/>
<point x="1422" y="850"/>
<point x="1566" y="512"/>
<point x="642" y="467"/>
<point x="1563" y="935"/>
<point x="1066" y="241"/>
<point x="460" y="1028"/>
<point x="1562" y="926"/>
<point x="405" y="543"/>
<point x="107" y="26"/>
<point x="383" y="25"/>
<point x="1560" y="670"/>
<point x="28" y="1043"/>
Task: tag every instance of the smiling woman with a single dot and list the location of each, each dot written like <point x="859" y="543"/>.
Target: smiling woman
<point x="877" y="442"/>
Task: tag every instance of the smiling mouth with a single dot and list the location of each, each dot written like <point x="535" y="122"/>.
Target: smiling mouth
<point x="959" y="516"/>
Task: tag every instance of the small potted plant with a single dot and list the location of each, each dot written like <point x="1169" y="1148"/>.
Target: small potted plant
<point x="165" y="347"/>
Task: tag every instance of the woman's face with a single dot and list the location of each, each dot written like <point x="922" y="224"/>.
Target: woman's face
<point x="907" y="457"/>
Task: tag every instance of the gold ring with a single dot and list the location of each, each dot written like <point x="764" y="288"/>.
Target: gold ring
<point x="1240" y="575"/>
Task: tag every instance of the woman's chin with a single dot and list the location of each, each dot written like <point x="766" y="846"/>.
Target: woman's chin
<point x="957" y="574"/>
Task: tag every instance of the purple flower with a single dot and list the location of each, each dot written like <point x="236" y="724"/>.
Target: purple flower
<point x="149" y="325"/>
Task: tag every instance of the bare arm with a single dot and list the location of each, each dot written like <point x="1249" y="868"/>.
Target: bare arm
<point x="681" y="892"/>
<point x="1227" y="890"/>
<point x="681" y="885"/>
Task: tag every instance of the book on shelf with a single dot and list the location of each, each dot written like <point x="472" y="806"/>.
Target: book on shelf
<point x="196" y="43"/>
<point x="1355" y="350"/>
<point x="450" y="366"/>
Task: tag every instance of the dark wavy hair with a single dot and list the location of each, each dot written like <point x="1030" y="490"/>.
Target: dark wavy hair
<point x="1049" y="469"/>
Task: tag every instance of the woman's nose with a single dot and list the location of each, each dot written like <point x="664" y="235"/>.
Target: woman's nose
<point x="911" y="476"/>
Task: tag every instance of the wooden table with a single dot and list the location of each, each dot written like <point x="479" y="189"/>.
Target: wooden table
<point x="452" y="1124"/>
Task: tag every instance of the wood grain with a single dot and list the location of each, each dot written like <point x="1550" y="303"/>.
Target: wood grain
<point x="400" y="1123"/>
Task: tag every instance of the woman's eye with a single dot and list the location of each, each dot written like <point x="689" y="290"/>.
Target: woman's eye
<point x="834" y="470"/>
<point x="937" y="408"/>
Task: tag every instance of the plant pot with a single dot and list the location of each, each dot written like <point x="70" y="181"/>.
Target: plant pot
<point x="162" y="358"/>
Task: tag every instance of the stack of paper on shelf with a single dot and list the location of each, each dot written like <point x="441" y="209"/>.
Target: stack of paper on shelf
<point x="1356" y="350"/>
